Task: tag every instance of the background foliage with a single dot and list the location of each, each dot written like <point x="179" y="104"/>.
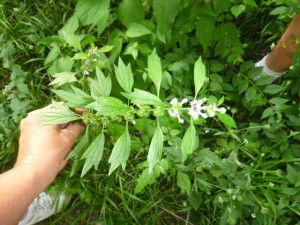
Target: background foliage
<point x="242" y="171"/>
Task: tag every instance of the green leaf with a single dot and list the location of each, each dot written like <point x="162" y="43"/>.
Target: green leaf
<point x="273" y="89"/>
<point x="57" y="114"/>
<point x="156" y="148"/>
<point x="184" y="182"/>
<point x="165" y="12"/>
<point x="155" y="69"/>
<point x="67" y="33"/>
<point x="120" y="152"/>
<point x="205" y="30"/>
<point x="90" y="12"/>
<point x="279" y="10"/>
<point x="143" y="98"/>
<point x="146" y="178"/>
<point x="250" y="94"/>
<point x="278" y="101"/>
<point x="137" y="30"/>
<point x="80" y="147"/>
<point x="237" y="10"/>
<point x="63" y="78"/>
<point x="106" y="48"/>
<point x="199" y="75"/>
<point x="100" y="86"/>
<point x="267" y="112"/>
<point x="189" y="142"/>
<point x="293" y="175"/>
<point x="243" y="86"/>
<point x="75" y="99"/>
<point x="53" y="54"/>
<point x="250" y="3"/>
<point x="226" y="120"/>
<point x="131" y="11"/>
<point x="70" y="26"/>
<point x="93" y="154"/>
<point x="124" y="75"/>
<point x="77" y="152"/>
<point x="109" y="106"/>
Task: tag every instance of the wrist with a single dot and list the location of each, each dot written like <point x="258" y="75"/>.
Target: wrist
<point x="36" y="176"/>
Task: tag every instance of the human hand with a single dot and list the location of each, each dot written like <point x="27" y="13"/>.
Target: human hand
<point x="44" y="149"/>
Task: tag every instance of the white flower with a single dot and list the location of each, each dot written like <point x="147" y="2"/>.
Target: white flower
<point x="253" y="215"/>
<point x="85" y="72"/>
<point x="173" y="112"/>
<point x="176" y="108"/>
<point x="197" y="108"/>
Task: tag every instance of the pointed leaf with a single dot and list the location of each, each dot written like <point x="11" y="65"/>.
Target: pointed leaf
<point x="226" y="120"/>
<point x="165" y="12"/>
<point x="199" y="75"/>
<point x="100" y="86"/>
<point x="63" y="78"/>
<point x="155" y="69"/>
<point x="131" y="11"/>
<point x="147" y="178"/>
<point x="109" y="106"/>
<point x="189" y="142"/>
<point x="156" y="148"/>
<point x="205" y="30"/>
<point x="93" y="154"/>
<point x="184" y="182"/>
<point x="57" y="114"/>
<point x="124" y="76"/>
<point x="77" y="98"/>
<point x="120" y="152"/>
<point x="143" y="98"/>
<point x="137" y="30"/>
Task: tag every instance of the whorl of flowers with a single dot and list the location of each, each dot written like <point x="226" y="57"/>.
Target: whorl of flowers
<point x="198" y="108"/>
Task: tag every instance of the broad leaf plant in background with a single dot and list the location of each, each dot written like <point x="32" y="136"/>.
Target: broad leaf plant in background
<point x="177" y="131"/>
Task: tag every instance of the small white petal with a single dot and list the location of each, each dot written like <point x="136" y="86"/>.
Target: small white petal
<point x="174" y="101"/>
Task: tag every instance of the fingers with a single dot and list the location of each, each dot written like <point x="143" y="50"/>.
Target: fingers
<point x="72" y="131"/>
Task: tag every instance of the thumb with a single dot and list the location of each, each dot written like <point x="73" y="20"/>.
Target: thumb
<point x="72" y="131"/>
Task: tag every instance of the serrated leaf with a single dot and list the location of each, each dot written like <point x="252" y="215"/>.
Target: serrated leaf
<point x="205" y="29"/>
<point x="131" y="11"/>
<point x="124" y="75"/>
<point x="199" y="75"/>
<point x="93" y="154"/>
<point x="156" y="148"/>
<point x="155" y="69"/>
<point x="143" y="98"/>
<point x="165" y="12"/>
<point x="109" y="106"/>
<point x="237" y="10"/>
<point x="120" y="152"/>
<point x="53" y="54"/>
<point x="226" y="120"/>
<point x="100" y="86"/>
<point x="63" y="78"/>
<point x="77" y="152"/>
<point x="184" y="182"/>
<point x="90" y="12"/>
<point x="189" y="142"/>
<point x="137" y="30"/>
<point x="146" y="178"/>
<point x="57" y="114"/>
<point x="80" y="55"/>
<point x="75" y="99"/>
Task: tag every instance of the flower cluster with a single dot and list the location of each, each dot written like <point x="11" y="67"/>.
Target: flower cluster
<point x="198" y="108"/>
<point x="88" y="62"/>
